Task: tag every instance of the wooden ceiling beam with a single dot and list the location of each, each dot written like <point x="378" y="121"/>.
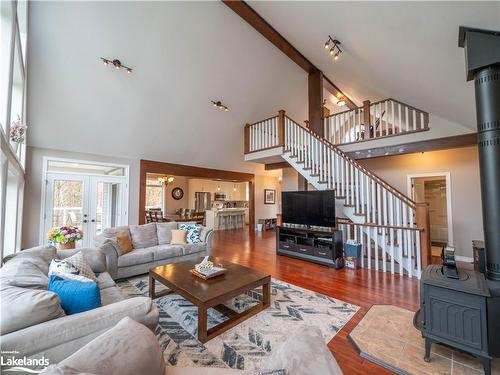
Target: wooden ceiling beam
<point x="273" y="166"/>
<point x="254" y="19"/>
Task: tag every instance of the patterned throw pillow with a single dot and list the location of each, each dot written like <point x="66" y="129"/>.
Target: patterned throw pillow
<point x="79" y="262"/>
<point x="193" y="232"/>
<point x="59" y="266"/>
<point x="272" y="372"/>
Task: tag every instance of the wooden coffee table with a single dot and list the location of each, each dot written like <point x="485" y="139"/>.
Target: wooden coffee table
<point x="213" y="292"/>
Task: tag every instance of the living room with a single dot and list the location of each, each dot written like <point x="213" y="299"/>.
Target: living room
<point x="241" y="187"/>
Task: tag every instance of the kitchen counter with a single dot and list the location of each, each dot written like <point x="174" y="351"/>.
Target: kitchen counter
<point x="225" y="218"/>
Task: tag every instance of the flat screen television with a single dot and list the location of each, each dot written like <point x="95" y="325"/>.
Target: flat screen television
<point x="308" y="208"/>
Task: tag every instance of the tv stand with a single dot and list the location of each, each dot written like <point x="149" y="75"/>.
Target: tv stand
<point x="318" y="246"/>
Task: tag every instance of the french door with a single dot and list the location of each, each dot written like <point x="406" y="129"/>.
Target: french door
<point x="92" y="203"/>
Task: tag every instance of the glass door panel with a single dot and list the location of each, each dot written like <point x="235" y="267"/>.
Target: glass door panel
<point x="106" y="204"/>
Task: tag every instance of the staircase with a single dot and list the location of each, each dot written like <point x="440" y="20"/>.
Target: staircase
<point x="392" y="229"/>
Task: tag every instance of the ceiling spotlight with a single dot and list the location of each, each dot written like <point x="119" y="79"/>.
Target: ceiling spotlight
<point x="335" y="47"/>
<point x="117" y="64"/>
<point x="218" y="104"/>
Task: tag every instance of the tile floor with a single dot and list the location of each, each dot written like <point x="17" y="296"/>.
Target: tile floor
<point x="401" y="345"/>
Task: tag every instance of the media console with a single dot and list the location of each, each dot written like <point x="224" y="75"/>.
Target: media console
<point x="317" y="246"/>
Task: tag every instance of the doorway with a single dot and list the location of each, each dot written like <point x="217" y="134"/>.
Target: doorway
<point x="87" y="195"/>
<point x="434" y="189"/>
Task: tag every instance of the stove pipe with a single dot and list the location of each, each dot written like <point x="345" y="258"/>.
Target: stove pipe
<point x="482" y="55"/>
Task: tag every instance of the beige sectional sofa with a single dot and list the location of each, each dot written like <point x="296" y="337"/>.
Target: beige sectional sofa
<point x="151" y="247"/>
<point x="32" y="322"/>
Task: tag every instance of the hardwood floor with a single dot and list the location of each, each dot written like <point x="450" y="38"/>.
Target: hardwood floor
<point x="361" y="287"/>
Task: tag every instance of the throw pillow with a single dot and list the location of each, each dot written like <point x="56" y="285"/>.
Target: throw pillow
<point x="164" y="232"/>
<point x="178" y="237"/>
<point x="22" y="307"/>
<point x="75" y="296"/>
<point x="143" y="235"/>
<point x="79" y="262"/>
<point x="58" y="266"/>
<point x="124" y="243"/>
<point x="193" y="232"/>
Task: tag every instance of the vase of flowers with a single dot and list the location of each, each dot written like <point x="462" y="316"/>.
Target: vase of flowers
<point x="65" y="237"/>
<point x="17" y="132"/>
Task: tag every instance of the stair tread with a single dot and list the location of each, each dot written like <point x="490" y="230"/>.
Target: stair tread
<point x="349" y="205"/>
<point x="340" y="196"/>
<point x="359" y="214"/>
<point x="322" y="182"/>
<point x="307" y="168"/>
<point x="314" y="174"/>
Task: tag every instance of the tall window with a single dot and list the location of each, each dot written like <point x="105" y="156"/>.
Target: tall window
<point x="13" y="42"/>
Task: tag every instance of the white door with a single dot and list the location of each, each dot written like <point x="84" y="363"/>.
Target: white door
<point x="92" y="203"/>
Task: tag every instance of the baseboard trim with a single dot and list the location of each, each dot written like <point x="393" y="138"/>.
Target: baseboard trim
<point x="460" y="258"/>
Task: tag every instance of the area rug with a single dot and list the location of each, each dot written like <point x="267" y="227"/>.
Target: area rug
<point x="401" y="347"/>
<point x="249" y="343"/>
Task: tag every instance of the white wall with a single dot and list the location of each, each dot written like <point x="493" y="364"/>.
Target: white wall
<point x="463" y="165"/>
<point x="266" y="211"/>
<point x="33" y="188"/>
<point x="290" y="179"/>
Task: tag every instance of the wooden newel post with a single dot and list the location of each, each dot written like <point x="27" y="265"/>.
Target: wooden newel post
<point x="246" y="137"/>
<point x="366" y="118"/>
<point x="422" y="221"/>
<point x="281" y="128"/>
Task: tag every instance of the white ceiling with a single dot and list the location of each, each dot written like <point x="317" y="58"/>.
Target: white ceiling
<point x="404" y="50"/>
<point x="183" y="56"/>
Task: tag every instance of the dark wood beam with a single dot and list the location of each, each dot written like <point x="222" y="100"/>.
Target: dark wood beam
<point x="315" y="99"/>
<point x="254" y="19"/>
<point x="273" y="166"/>
<point x="445" y="143"/>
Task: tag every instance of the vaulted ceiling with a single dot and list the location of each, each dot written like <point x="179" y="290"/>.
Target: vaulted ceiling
<point x="405" y="50"/>
<point x="185" y="54"/>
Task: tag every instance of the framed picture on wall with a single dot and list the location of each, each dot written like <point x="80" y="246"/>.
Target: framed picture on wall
<point x="269" y="196"/>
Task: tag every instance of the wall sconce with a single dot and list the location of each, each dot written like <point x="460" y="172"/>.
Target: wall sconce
<point x="342" y="100"/>
<point x="333" y="45"/>
<point x="165" y="180"/>
<point x="117" y="64"/>
<point x="218" y="104"/>
<point x="218" y="188"/>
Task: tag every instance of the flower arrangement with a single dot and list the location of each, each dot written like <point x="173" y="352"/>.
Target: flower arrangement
<point x="65" y="234"/>
<point x="17" y="131"/>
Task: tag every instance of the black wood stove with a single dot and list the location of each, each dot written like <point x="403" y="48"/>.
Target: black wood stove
<point x="462" y="309"/>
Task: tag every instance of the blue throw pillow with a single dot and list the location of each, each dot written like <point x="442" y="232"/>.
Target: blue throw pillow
<point x="75" y="296"/>
<point x="193" y="232"/>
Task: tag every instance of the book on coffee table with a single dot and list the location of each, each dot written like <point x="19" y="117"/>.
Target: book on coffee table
<point x="209" y="272"/>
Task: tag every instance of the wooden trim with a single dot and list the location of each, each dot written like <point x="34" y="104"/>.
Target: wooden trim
<point x="254" y="19"/>
<point x="366" y="119"/>
<point x="246" y="139"/>
<point x="274" y="166"/>
<point x="372" y="225"/>
<point x="387" y="186"/>
<point x="332" y="87"/>
<point x="281" y="128"/>
<point x="456" y="141"/>
<point x="315" y="100"/>
<point x="150" y="166"/>
<point x="422" y="220"/>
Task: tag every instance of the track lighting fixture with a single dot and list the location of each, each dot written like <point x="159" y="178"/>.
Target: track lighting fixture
<point x="218" y="104"/>
<point x="334" y="46"/>
<point x="117" y="64"/>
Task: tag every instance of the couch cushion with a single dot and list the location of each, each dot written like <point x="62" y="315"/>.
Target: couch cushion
<point x="143" y="235"/>
<point x="111" y="295"/>
<point x="136" y="256"/>
<point x="178" y="237"/>
<point x="104" y="281"/>
<point x="129" y="348"/>
<point x="21" y="307"/>
<point x="192" y="248"/>
<point x="26" y="272"/>
<point x="164" y="232"/>
<point x="46" y="252"/>
<point x="178" y="370"/>
<point x="111" y="233"/>
<point x="166" y="251"/>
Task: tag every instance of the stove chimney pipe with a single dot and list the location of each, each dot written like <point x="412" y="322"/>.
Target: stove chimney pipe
<point x="482" y="59"/>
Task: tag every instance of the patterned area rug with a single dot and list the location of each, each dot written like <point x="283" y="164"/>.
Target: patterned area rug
<point x="249" y="343"/>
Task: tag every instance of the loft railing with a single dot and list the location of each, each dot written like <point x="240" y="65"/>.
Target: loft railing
<point x="381" y="119"/>
<point x="389" y="220"/>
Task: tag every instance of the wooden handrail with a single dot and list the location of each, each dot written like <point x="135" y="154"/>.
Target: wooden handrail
<point x="346" y="221"/>
<point x="387" y="186"/>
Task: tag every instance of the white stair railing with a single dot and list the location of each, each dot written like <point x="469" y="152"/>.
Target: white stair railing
<point x="385" y="216"/>
<point x="262" y="135"/>
<point x="385" y="118"/>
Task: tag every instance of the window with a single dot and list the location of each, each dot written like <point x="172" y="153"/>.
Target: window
<point x="154" y="194"/>
<point x="13" y="41"/>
